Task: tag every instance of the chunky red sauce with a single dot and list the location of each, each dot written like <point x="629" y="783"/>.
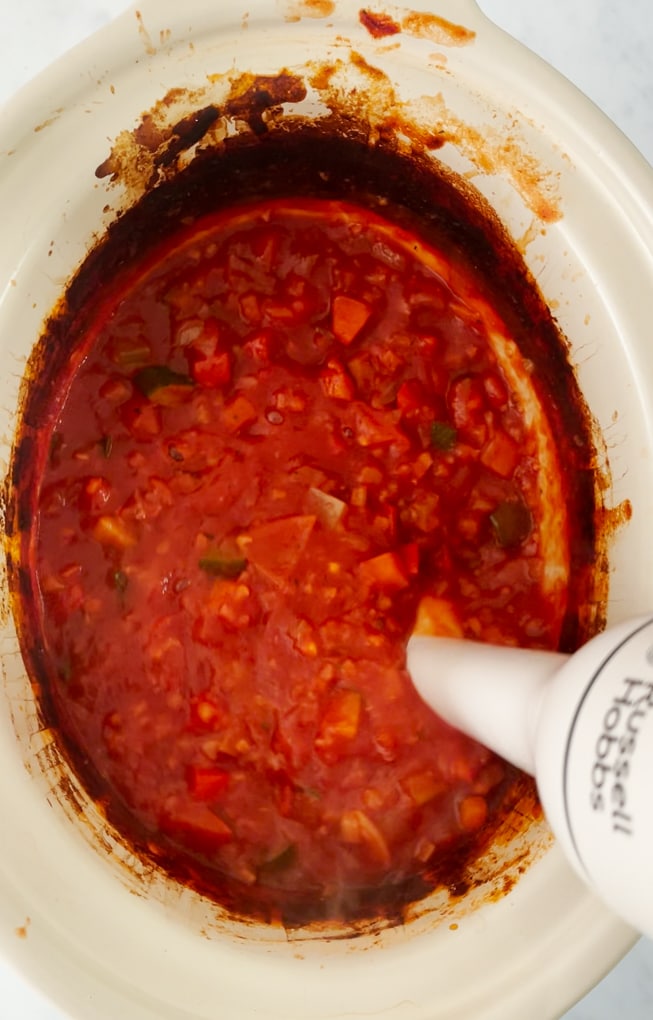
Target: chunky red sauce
<point x="286" y="436"/>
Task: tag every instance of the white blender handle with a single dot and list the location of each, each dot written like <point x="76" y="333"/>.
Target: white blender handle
<point x="583" y="726"/>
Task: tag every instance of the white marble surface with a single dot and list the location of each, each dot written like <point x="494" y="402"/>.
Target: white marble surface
<point x="604" y="47"/>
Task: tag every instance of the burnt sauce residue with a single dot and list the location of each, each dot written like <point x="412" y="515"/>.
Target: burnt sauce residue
<point x="337" y="156"/>
<point x="419" y="24"/>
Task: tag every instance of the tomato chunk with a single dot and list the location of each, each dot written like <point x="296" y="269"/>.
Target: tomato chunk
<point x="276" y="548"/>
<point x="349" y="315"/>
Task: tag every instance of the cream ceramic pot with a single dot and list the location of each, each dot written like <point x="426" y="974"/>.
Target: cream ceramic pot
<point x="95" y="928"/>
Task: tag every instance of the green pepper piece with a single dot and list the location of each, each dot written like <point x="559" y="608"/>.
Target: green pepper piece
<point x="279" y="862"/>
<point x="162" y="385"/>
<point x="512" y="523"/>
<point x="220" y="564"/>
<point x="443" y="435"/>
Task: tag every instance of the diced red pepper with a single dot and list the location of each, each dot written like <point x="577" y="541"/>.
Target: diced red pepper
<point x="206" y="782"/>
<point x="237" y="413"/>
<point x="411" y="397"/>
<point x="209" y="365"/>
<point x="349" y="315"/>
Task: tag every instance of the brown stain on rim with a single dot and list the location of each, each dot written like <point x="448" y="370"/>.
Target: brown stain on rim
<point x="146" y="38"/>
<point x="50" y="120"/>
<point x="419" y="24"/>
<point x="202" y="117"/>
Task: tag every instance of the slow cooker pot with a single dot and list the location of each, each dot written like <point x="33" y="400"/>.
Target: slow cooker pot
<point x="94" y="926"/>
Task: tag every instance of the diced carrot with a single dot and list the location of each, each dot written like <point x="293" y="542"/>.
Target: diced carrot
<point x="206" y="782"/>
<point x="358" y="828"/>
<point x="142" y="419"/>
<point x="436" y="617"/>
<point x="370" y="475"/>
<point x="335" y="382"/>
<point x="472" y="812"/>
<point x="237" y="413"/>
<point x="422" y="787"/>
<point x="348" y="316"/>
<point x="290" y="400"/>
<point x="109" y="529"/>
<point x="275" y="548"/>
<point x="422" y="464"/>
<point x="500" y="454"/>
<point x="384" y="571"/>
<point x="341" y="719"/>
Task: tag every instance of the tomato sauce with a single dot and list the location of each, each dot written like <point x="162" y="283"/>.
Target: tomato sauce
<point x="289" y="436"/>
